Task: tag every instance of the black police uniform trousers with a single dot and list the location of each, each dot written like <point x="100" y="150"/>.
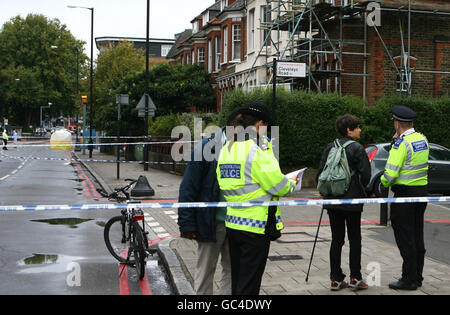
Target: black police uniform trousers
<point x="408" y="223"/>
<point x="248" y="256"/>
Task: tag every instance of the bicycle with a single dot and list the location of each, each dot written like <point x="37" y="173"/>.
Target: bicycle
<point x="124" y="237"/>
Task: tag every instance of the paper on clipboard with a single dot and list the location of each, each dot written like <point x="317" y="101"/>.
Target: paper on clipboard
<point x="299" y="174"/>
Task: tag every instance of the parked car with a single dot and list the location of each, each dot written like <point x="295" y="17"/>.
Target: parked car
<point x="438" y="168"/>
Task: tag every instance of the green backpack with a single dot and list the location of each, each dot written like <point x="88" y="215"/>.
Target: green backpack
<point x="336" y="176"/>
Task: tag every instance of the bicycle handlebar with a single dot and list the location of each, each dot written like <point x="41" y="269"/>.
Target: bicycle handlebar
<point x="123" y="189"/>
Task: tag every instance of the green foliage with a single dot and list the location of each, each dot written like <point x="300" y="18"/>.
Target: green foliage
<point x="37" y="65"/>
<point x="175" y="88"/>
<point x="163" y="125"/>
<point x="432" y="118"/>
<point x="116" y="68"/>
<point x="306" y="120"/>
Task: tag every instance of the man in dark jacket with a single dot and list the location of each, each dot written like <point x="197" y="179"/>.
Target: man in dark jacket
<point x="206" y="225"/>
<point x="349" y="127"/>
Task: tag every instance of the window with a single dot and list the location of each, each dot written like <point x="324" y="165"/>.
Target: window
<point x="236" y="42"/>
<point x="165" y="50"/>
<point x="223" y="4"/>
<point x="201" y="55"/>
<point x="439" y="153"/>
<point x="402" y="81"/>
<point x="251" y="30"/>
<point x="225" y="44"/>
<point x="210" y="56"/>
<point x="195" y="27"/>
<point x="265" y="18"/>
<point x="218" y="47"/>
<point x="328" y="81"/>
<point x="205" y="18"/>
<point x="336" y="79"/>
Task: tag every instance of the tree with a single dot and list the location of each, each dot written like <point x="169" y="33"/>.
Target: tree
<point x="113" y="66"/>
<point x="38" y="65"/>
<point x="175" y="88"/>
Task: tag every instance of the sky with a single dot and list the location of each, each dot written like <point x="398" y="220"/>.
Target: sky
<point x="122" y="18"/>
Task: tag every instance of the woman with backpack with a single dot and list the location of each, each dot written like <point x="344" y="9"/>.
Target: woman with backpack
<point x="349" y="127"/>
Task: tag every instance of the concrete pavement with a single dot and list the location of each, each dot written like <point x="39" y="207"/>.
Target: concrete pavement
<point x="289" y="256"/>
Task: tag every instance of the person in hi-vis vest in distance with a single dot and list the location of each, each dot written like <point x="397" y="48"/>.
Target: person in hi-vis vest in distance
<point x="247" y="170"/>
<point x="406" y="172"/>
<point x="5" y="139"/>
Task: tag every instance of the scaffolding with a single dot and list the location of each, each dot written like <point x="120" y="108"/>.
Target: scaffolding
<point x="310" y="41"/>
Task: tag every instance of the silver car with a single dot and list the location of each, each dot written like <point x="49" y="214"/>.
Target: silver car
<point x="438" y="168"/>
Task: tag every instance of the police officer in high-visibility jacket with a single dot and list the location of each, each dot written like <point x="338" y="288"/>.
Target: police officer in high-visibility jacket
<point x="406" y="173"/>
<point x="247" y="170"/>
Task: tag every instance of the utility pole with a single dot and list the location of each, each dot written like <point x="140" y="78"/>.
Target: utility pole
<point x="147" y="89"/>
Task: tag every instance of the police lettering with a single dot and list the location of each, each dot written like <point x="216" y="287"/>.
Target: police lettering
<point x="230" y="171"/>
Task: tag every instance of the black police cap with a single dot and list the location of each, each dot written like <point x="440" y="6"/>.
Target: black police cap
<point x="403" y="113"/>
<point x="258" y="110"/>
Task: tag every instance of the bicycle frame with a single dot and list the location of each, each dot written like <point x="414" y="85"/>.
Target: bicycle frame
<point x="134" y="238"/>
<point x="129" y="215"/>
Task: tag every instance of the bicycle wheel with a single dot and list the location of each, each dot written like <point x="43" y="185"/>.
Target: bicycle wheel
<point x="139" y="249"/>
<point x="115" y="235"/>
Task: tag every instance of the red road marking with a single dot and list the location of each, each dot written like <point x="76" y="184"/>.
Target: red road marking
<point x="362" y="222"/>
<point x="91" y="185"/>
<point x="85" y="186"/>
<point x="123" y="280"/>
<point x="87" y="183"/>
<point x="124" y="285"/>
<point x="144" y="285"/>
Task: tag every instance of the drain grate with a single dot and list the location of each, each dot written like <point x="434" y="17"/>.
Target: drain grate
<point x="299" y="237"/>
<point x="284" y="257"/>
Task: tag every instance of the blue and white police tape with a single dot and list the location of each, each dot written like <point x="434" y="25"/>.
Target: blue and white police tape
<point x="285" y="203"/>
<point x="87" y="160"/>
<point x="103" y="144"/>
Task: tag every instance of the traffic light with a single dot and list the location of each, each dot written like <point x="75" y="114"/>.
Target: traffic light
<point x="84" y="99"/>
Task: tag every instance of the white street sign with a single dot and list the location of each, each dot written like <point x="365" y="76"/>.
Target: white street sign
<point x="291" y="69"/>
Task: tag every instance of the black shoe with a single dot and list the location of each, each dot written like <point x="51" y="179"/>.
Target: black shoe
<point x="401" y="285"/>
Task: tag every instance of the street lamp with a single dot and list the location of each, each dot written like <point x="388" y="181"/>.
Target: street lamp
<point x="91" y="86"/>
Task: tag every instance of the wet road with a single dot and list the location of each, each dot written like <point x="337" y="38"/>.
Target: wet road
<point x="57" y="252"/>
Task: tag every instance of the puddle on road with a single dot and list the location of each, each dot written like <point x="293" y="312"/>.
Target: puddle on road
<point x="46" y="263"/>
<point x="71" y="222"/>
<point x="39" y="259"/>
<point x="100" y="223"/>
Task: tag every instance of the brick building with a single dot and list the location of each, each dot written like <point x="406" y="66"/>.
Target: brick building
<point x="375" y="58"/>
<point x="349" y="47"/>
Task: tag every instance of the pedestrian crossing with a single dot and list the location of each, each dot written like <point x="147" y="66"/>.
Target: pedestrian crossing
<point x="156" y="226"/>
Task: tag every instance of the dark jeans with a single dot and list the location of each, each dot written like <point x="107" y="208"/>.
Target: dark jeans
<point x="248" y="256"/>
<point x="338" y="220"/>
<point x="407" y="222"/>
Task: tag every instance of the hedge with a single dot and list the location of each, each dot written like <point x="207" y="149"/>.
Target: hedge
<point x="307" y="120"/>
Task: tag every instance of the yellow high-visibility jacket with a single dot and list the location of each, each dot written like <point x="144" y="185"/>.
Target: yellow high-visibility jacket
<point x="247" y="171"/>
<point x="408" y="161"/>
